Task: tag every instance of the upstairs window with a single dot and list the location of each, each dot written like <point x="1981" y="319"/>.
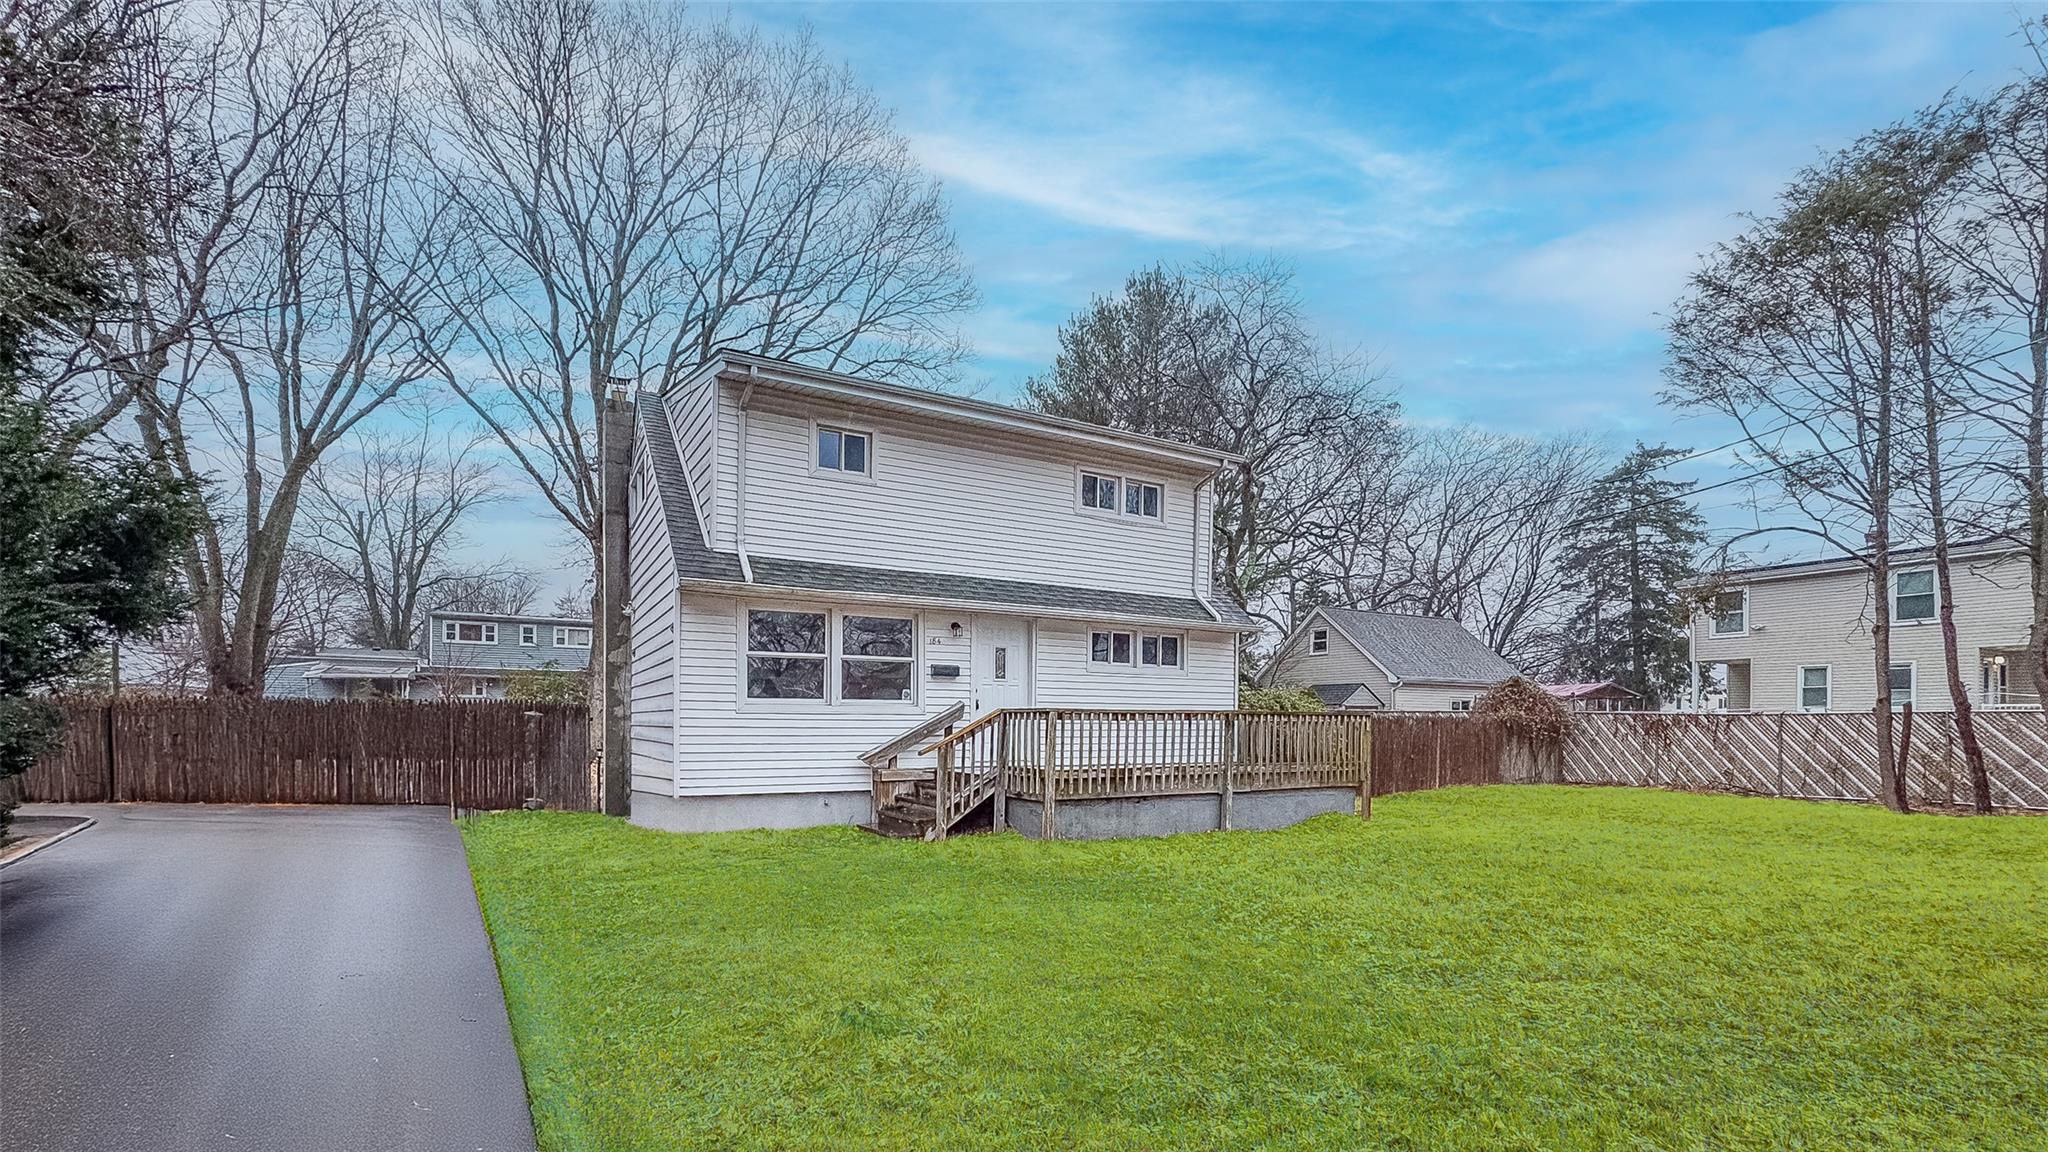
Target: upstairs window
<point x="1731" y="613"/>
<point x="1319" y="641"/>
<point x="1913" y="596"/>
<point x="843" y="450"/>
<point x="1122" y="496"/>
<point x="572" y="637"/>
<point x="529" y="635"/>
<point x="469" y="632"/>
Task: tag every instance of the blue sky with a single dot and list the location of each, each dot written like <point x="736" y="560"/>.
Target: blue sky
<point x="1496" y="202"/>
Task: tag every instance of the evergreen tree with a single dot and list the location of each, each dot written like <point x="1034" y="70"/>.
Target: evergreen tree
<point x="1631" y="555"/>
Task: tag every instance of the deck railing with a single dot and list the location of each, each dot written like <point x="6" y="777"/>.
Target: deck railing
<point x="1049" y="755"/>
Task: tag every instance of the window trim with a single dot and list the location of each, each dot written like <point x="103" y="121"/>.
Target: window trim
<point x="451" y="631"/>
<point x="1095" y="665"/>
<point x="561" y="635"/>
<point x="1124" y="482"/>
<point x="529" y="635"/>
<point x="1714" y="618"/>
<point x="1318" y="641"/>
<point x="1933" y="595"/>
<point x="1799" y="688"/>
<point x="832" y="656"/>
<point x="1912" y="668"/>
<point x="866" y="476"/>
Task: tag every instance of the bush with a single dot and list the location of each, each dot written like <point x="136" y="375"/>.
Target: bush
<point x="548" y="684"/>
<point x="1283" y="698"/>
<point x="1527" y="710"/>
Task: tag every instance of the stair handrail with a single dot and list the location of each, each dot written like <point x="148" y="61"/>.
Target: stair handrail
<point x="958" y="734"/>
<point x="883" y="753"/>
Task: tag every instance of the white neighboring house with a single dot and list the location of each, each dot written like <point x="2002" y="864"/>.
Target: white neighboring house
<point x="1796" y="637"/>
<point x="821" y="563"/>
<point x="1354" y="660"/>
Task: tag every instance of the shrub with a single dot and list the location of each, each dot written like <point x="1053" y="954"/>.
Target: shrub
<point x="1527" y="710"/>
<point x="1280" y="698"/>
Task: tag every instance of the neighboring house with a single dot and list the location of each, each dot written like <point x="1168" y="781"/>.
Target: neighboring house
<point x="821" y="563"/>
<point x="464" y="655"/>
<point x="1602" y="696"/>
<point x="1357" y="660"/>
<point x="1796" y="637"/>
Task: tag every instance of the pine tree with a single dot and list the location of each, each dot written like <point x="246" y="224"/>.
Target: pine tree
<point x="1631" y="555"/>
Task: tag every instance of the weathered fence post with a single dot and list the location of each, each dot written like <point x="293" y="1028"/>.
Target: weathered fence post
<point x="1365" y="769"/>
<point x="1228" y="784"/>
<point x="999" y="805"/>
<point x="1049" y="802"/>
<point x="107" y="731"/>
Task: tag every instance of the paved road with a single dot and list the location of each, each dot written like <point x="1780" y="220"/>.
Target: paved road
<point x="187" y="977"/>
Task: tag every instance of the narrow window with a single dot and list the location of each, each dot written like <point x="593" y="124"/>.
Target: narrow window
<point x="1902" y="681"/>
<point x="875" y="658"/>
<point x="529" y="635"/>
<point x="1119" y="647"/>
<point x="572" y="637"/>
<point x="1002" y="663"/>
<point x="842" y="450"/>
<point x="1098" y="647"/>
<point x="1813" y="689"/>
<point x="785" y="655"/>
<point x="1319" y="641"/>
<point x="1913" y="596"/>
<point x="1169" y="651"/>
<point x="1731" y="613"/>
<point x="1148" y="650"/>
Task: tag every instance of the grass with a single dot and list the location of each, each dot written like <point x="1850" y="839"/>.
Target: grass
<point x="1475" y="968"/>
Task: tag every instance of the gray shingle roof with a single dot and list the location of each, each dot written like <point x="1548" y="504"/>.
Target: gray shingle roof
<point x="1334" y="695"/>
<point x="696" y="561"/>
<point x="1429" y="649"/>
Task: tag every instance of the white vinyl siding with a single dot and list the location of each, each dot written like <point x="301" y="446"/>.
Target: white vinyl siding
<point x="1824" y="618"/>
<point x="728" y="745"/>
<point x="1342" y="664"/>
<point x="947" y="498"/>
<point x="652" y="578"/>
<point x="694" y="419"/>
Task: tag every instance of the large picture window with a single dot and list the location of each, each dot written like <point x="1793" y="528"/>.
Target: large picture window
<point x="469" y="632"/>
<point x="572" y="637"/>
<point x="785" y="655"/>
<point x="876" y="658"/>
<point x="1913" y="596"/>
<point x="830" y="656"/>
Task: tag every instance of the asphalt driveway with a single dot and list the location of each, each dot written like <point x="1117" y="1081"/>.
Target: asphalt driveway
<point x="188" y="977"/>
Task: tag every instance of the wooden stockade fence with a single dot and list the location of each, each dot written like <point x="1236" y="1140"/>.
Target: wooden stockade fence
<point x="225" y="750"/>
<point x="1807" y="755"/>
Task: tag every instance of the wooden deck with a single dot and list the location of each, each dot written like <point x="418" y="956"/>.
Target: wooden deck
<point x="1053" y="755"/>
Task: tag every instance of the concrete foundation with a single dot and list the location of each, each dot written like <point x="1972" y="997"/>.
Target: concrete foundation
<point x="737" y="813"/>
<point x="1120" y="818"/>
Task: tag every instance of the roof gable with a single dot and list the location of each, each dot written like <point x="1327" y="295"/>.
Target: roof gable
<point x="1421" y="649"/>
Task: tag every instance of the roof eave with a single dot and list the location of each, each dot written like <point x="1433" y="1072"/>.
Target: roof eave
<point x="741" y="588"/>
<point x="759" y="369"/>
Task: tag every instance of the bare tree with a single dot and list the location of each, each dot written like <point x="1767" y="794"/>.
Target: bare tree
<point x="388" y="515"/>
<point x="1220" y="354"/>
<point x="492" y="594"/>
<point x="643" y="188"/>
<point x="1795" y="331"/>
<point x="298" y="290"/>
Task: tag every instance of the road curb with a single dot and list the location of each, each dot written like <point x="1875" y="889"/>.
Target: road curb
<point x="7" y="861"/>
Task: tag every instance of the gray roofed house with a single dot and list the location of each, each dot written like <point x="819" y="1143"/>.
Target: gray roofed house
<point x="463" y="654"/>
<point x="1354" y="659"/>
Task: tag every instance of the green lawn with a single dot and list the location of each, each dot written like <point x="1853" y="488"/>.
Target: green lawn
<point x="1512" y="967"/>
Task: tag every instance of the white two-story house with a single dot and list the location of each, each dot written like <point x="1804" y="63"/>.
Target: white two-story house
<point x="820" y="563"/>
<point x="1796" y="637"/>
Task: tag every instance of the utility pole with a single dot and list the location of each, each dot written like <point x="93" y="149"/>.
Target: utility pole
<point x="615" y="451"/>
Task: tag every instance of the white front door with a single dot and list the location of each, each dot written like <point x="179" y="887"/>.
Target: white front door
<point x="1002" y="663"/>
